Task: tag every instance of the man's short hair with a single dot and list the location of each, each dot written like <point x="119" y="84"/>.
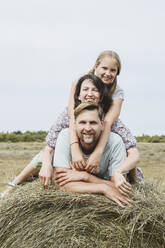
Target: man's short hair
<point x="89" y="106"/>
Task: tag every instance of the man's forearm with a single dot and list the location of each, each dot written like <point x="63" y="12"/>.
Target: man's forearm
<point x="83" y="182"/>
<point x="64" y="176"/>
<point x="83" y="187"/>
<point x="94" y="179"/>
<point x="97" y="188"/>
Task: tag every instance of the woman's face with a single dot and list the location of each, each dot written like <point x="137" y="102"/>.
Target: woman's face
<point x="89" y="92"/>
<point x="107" y="70"/>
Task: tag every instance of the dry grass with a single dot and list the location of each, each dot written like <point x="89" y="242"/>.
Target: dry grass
<point x="33" y="218"/>
<point x="153" y="161"/>
<point x="14" y="157"/>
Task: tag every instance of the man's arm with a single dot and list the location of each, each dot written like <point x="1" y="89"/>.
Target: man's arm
<point x="83" y="182"/>
<point x="79" y="183"/>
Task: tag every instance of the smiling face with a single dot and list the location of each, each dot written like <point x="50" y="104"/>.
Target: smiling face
<point x="107" y="70"/>
<point x="88" y="127"/>
<point x="89" y="92"/>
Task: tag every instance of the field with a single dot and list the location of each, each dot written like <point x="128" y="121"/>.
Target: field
<point x="15" y="156"/>
<point x="80" y="220"/>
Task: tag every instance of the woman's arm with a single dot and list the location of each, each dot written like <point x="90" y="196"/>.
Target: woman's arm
<point x="78" y="160"/>
<point x="127" y="137"/>
<point x="130" y="162"/>
<point x="73" y="136"/>
<point x="45" y="173"/>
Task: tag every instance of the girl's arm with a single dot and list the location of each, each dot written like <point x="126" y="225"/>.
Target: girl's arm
<point x="110" y="118"/>
<point x="78" y="160"/>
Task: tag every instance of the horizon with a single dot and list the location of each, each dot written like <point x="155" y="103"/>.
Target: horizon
<point x="46" y="131"/>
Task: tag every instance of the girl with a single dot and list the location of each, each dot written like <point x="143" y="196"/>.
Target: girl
<point x="107" y="68"/>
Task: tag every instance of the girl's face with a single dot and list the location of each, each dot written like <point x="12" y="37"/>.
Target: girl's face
<point x="107" y="70"/>
<point x="89" y="92"/>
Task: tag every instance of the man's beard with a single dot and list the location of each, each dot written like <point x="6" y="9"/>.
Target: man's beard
<point x="87" y="144"/>
<point x="88" y="140"/>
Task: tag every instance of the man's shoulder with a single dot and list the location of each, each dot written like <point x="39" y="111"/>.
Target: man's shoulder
<point x="63" y="135"/>
<point x="114" y="138"/>
<point x="64" y="132"/>
<point x="114" y="143"/>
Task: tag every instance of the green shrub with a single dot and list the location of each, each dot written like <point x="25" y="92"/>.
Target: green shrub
<point x="151" y="139"/>
<point x="18" y="136"/>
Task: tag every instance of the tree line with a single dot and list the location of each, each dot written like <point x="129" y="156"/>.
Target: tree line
<point x="40" y="136"/>
<point x="151" y="139"/>
<point x="19" y="136"/>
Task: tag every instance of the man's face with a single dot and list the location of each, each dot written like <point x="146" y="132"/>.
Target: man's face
<point x="88" y="127"/>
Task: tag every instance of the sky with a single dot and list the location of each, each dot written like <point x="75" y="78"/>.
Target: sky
<point x="46" y="44"/>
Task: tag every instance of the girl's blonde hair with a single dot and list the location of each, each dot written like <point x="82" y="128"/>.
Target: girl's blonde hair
<point x="113" y="55"/>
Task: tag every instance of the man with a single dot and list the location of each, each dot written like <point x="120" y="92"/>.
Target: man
<point x="89" y="125"/>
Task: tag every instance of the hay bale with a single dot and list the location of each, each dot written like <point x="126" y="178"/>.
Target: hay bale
<point x="33" y="218"/>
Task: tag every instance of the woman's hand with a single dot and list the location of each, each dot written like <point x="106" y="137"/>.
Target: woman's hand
<point x="46" y="174"/>
<point x="121" y="184"/>
<point x="93" y="162"/>
<point x="78" y="161"/>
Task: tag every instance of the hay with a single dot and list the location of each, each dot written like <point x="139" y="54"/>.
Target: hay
<point x="33" y="218"/>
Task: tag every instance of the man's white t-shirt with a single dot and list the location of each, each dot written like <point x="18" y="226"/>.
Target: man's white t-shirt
<point x="114" y="153"/>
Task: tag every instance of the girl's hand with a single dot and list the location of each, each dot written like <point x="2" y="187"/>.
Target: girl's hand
<point x="93" y="162"/>
<point x="78" y="161"/>
<point x="121" y="184"/>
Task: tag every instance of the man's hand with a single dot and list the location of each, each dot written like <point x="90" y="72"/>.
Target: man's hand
<point x="46" y="174"/>
<point x="113" y="193"/>
<point x="93" y="163"/>
<point x="63" y="176"/>
<point x="121" y="184"/>
<point x="78" y="161"/>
